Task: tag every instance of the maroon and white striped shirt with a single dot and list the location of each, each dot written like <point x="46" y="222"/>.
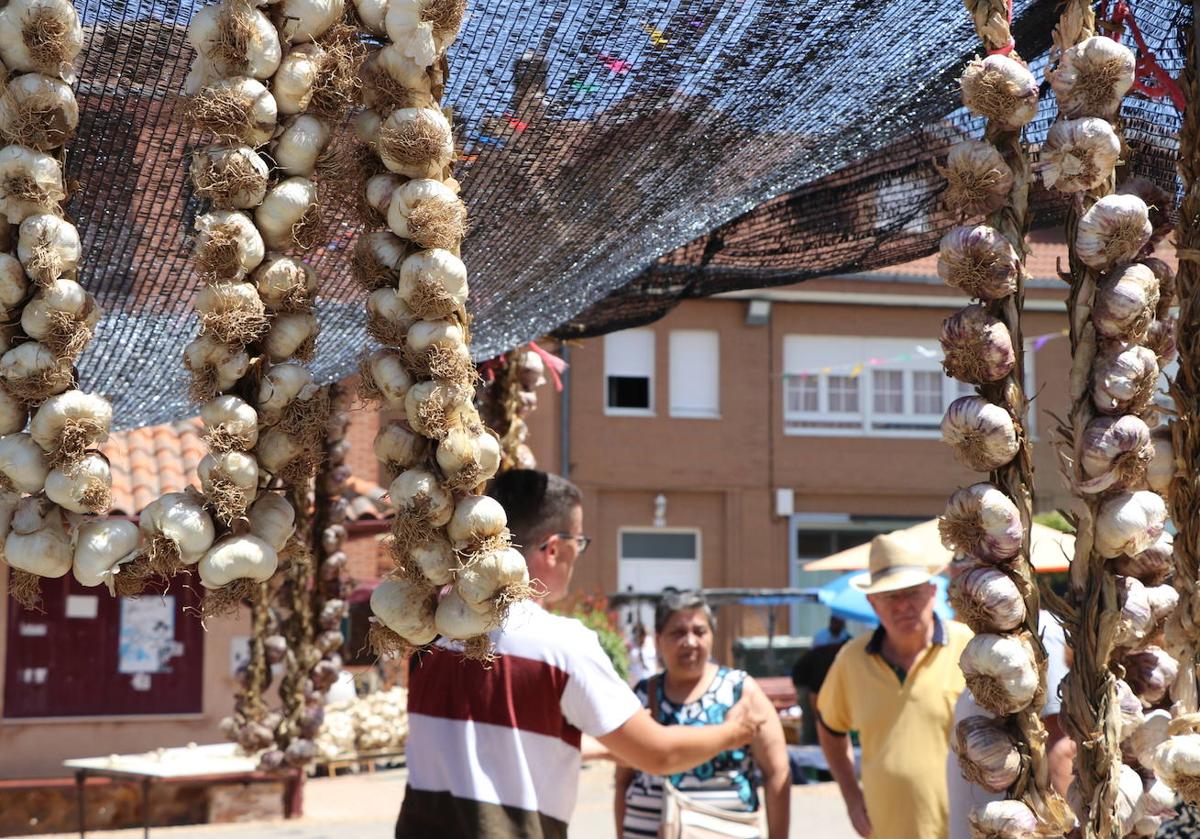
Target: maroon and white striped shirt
<point x="493" y="749"/>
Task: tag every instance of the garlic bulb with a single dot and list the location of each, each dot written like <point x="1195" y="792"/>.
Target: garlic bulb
<point x="300" y="144"/>
<point x="977" y="347"/>
<point x="283" y="454"/>
<point x="289" y="215"/>
<point x="42" y="36"/>
<point x="1163" y="601"/>
<point x="439" y="348"/>
<point x="423" y="29"/>
<point x="433" y="408"/>
<point x="379" y="189"/>
<point x="39" y="112"/>
<point x="987" y="753"/>
<point x="388" y="317"/>
<point x="231" y="177"/>
<point x="489" y="575"/>
<point x="406" y="608"/>
<point x="1124" y="378"/>
<point x="1126" y="302"/>
<point x="298" y="73"/>
<point x="398" y="448"/>
<point x="236" y="40"/>
<point x="978" y="260"/>
<point x="48" y="247"/>
<point x="1130" y="709"/>
<point x="371" y="13"/>
<point x="14" y="285"/>
<point x="532" y="370"/>
<point x="1177" y="764"/>
<point x="307" y="20"/>
<point x="433" y="283"/>
<point x="180" y="519"/>
<point x="84" y="487"/>
<point x="477" y="519"/>
<point x="1147" y="737"/>
<point x="30" y="183"/>
<point x="272" y="519"/>
<point x="978" y="179"/>
<point x="428" y="213"/>
<point x="1150" y="672"/>
<point x="1000" y="89"/>
<point x="417" y="493"/>
<point x="1162" y="467"/>
<point x="32" y="372"/>
<point x="237" y="558"/>
<point x="1160" y="202"/>
<point x="435" y="559"/>
<point x="468" y="458"/>
<point x="292" y="335"/>
<point x="1114" y="453"/>
<point x="1079" y="154"/>
<point x="1000" y="672"/>
<point x="983" y="435"/>
<point x="367" y="122"/>
<point x="232" y="313"/>
<point x="40" y="539"/>
<point x="456" y="619"/>
<point x="385" y="380"/>
<point x="13" y="415"/>
<point x="214" y="366"/>
<point x="283" y="385"/>
<point x="61" y="315"/>
<point x="1006" y="819"/>
<point x="1129" y="523"/>
<point x="987" y="600"/>
<point x="1137" y="619"/>
<point x="1161" y="340"/>
<point x="392" y="80"/>
<point x="228" y="245"/>
<point x="229" y="423"/>
<point x="981" y="521"/>
<point x="23" y="465"/>
<point x="237" y="109"/>
<point x="376" y="259"/>
<point x="1129" y="793"/>
<point x="1113" y="230"/>
<point x="1152" y="565"/>
<point x="73" y="421"/>
<point x="415" y="142"/>
<point x="101" y="547"/>
<point x="285" y="284"/>
<point x="230" y="482"/>
<point x="1092" y="77"/>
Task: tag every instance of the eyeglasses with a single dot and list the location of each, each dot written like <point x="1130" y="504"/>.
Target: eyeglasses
<point x="581" y="541"/>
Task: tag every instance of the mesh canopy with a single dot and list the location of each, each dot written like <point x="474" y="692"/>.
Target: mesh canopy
<point x="618" y="155"/>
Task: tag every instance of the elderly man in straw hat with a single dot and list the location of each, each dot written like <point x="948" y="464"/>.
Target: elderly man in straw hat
<point x="897" y="689"/>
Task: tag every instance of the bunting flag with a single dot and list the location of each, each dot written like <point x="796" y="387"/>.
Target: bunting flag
<point x="855" y="368"/>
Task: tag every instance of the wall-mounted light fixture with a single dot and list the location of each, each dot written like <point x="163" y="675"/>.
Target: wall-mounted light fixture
<point x="758" y="313"/>
<point x="660" y="510"/>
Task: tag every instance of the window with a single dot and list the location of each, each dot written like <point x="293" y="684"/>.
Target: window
<point x="629" y="372"/>
<point x="658" y="544"/>
<point x="880" y="386"/>
<point x="695" y="373"/>
<point x="652" y="560"/>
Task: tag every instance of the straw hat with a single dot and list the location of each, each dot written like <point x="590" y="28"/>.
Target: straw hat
<point x="895" y="563"/>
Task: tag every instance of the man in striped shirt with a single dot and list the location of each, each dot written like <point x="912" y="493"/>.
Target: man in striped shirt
<point x="494" y="750"/>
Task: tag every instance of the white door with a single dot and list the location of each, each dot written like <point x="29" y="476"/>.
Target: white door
<point x="653" y="560"/>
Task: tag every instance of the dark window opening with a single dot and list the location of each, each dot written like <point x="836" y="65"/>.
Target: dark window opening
<point x="630" y="392"/>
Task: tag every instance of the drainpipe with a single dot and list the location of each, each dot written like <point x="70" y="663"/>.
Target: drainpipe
<point x="564" y="415"/>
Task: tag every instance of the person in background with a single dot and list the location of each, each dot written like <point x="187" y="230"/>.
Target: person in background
<point x="896" y="688"/>
<point x="495" y="748"/>
<point x="695" y="691"/>
<point x="643" y="659"/>
<point x="835" y="633"/>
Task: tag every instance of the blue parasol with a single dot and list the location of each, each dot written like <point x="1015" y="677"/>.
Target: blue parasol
<point x="848" y="602"/>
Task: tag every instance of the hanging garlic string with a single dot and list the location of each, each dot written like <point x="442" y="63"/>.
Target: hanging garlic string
<point x="509" y="398"/>
<point x="989" y="431"/>
<point x="52" y="474"/>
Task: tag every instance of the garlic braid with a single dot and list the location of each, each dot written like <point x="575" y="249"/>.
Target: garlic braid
<point x="417" y="312"/>
<point x="51" y="474"/>
<point x="984" y="346"/>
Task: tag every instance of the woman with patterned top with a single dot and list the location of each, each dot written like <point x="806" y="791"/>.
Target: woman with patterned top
<point x="694" y="690"/>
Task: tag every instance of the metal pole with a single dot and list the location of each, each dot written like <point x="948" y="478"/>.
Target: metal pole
<point x="80" y="783"/>
<point x="564" y="417"/>
<point x="146" y="807"/>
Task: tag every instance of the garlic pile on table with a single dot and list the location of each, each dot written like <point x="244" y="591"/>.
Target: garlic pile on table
<point x="440" y="448"/>
<point x="53" y="475"/>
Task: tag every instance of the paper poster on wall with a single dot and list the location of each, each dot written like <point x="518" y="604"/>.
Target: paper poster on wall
<point x="147" y="640"/>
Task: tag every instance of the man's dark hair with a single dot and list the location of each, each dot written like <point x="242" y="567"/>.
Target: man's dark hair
<point x="537" y="504"/>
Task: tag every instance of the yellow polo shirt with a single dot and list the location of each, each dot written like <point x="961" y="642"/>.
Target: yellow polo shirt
<point x="903" y="728"/>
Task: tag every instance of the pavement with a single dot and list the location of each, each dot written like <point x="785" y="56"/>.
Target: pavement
<point x="364" y="806"/>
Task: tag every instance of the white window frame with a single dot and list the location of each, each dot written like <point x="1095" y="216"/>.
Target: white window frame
<point x="814" y="354"/>
<point x="629" y="412"/>
<point x="695" y="531"/>
<point x="692" y="413"/>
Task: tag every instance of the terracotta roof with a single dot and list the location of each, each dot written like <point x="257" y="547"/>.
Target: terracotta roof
<point x="150" y="462"/>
